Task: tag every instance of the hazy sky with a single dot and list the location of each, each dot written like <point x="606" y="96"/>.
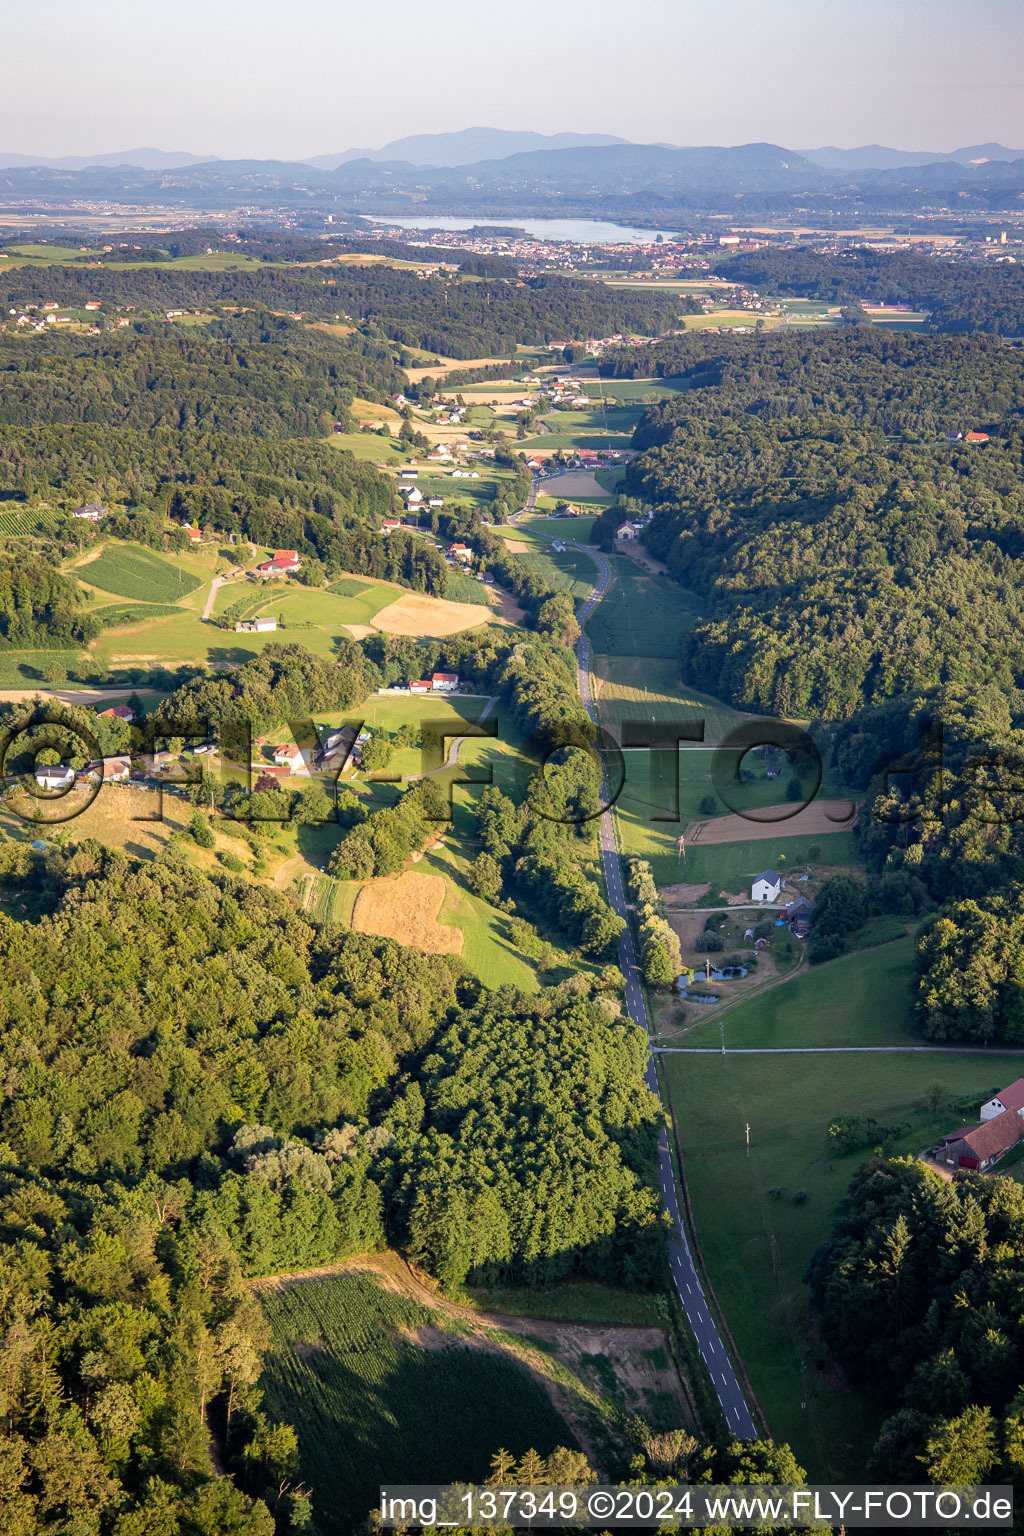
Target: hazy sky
<point x="272" y="80"/>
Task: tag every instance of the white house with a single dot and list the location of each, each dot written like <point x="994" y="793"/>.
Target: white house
<point x="255" y="626"/>
<point x="1009" y="1098"/>
<point x="766" y="887"/>
<point x="288" y="755"/>
<point x="91" y="513"/>
<point x="413" y="497"/>
<point x="57" y="777"/>
<point x="444" y="682"/>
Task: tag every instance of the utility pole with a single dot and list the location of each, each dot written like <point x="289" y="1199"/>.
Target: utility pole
<point x="748" y="1137"/>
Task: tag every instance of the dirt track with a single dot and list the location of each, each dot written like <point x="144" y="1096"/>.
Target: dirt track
<point x="815" y="820"/>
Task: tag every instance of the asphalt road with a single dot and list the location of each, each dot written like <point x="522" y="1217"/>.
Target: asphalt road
<point x="684" y="1273"/>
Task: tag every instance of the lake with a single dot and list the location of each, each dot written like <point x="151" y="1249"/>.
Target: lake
<point x="578" y="231"/>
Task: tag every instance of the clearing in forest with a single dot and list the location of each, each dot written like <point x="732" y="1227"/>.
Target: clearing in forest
<point x="418" y="614"/>
<point x="406" y="909"/>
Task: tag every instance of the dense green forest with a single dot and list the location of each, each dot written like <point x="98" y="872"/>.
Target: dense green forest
<point x="918" y="1290"/>
<point x="961" y="295"/>
<point x="215" y="1089"/>
<point x="848" y="552"/>
<point x="39" y="607"/>
<point x="445" y="313"/>
<point x="268" y="378"/>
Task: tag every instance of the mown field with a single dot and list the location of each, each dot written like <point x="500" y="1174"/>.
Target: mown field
<point x="755" y="1238"/>
<point x="641" y="614"/>
<point x="860" y="999"/>
<point x="372" y="1405"/>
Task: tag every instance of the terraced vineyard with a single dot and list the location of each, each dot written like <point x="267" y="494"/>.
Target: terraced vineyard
<point x="379" y="1387"/>
<point x="135" y="572"/>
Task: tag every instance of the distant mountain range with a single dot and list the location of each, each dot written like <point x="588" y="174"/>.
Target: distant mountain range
<point x="471" y="146"/>
<point x="464" y="148"/>
<point x="875" y="157"/>
<point x="535" y="174"/>
<point x="141" y="159"/>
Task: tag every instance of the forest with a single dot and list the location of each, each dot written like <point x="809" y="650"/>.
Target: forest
<point x="960" y="295"/>
<point x="443" y="314"/>
<point x="918" y="1292"/>
<point x="214" y="1089"/>
<point x="820" y="494"/>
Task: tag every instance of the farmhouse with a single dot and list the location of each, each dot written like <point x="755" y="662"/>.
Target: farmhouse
<point x="114" y="770"/>
<point x="119" y="712"/>
<point x="413" y="496"/>
<point x="766" y="887"/>
<point x="444" y="682"/>
<point x="91" y="513"/>
<point x="255" y="626"/>
<point x="460" y="552"/>
<point x="419" y="685"/>
<point x="408" y="474"/>
<point x="1008" y="1098"/>
<point x="57" y="777"/>
<point x="625" y="532"/>
<point x="287" y="755"/>
<point x="194" y="533"/>
<point x="390" y="524"/>
<point x="976" y="437"/>
<point x="982" y="1148"/>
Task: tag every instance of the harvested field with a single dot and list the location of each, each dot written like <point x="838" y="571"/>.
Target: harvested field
<point x="418" y="614"/>
<point x="576" y="482"/>
<point x="406" y="909"/>
<point x="817" y="819"/>
<point x="515" y="546"/>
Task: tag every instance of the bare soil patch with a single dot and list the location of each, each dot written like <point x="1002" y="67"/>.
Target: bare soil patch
<point x="815" y="820"/>
<point x="683" y="895"/>
<point x="418" y="614"/>
<point x="406" y="909"/>
<point x="359" y="631"/>
<point x="515" y="546"/>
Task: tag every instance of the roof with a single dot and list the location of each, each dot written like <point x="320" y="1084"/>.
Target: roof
<point x="285" y="554"/>
<point x="994" y="1136"/>
<point x="445" y="677"/>
<point x="772" y="876"/>
<point x="799" y="908"/>
<point x="1013" y="1097"/>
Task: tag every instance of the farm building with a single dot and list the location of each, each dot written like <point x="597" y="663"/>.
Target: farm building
<point x="91" y="513"/>
<point x="460" y="552"/>
<point x="390" y="524"/>
<point x="799" y="916"/>
<point x="625" y="532"/>
<point x="194" y="534"/>
<point x="976" y="437"/>
<point x="1008" y="1098"/>
<point x="444" y="682"/>
<point x="119" y="712"/>
<point x="255" y="626"/>
<point x="984" y="1146"/>
<point x="766" y="887"/>
<point x="419" y="685"/>
<point x="284" y="563"/>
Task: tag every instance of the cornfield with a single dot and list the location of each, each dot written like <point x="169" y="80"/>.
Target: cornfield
<point x="380" y="1388"/>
